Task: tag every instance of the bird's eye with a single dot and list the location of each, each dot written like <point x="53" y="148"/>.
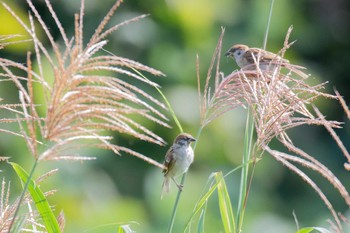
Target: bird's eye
<point x="239" y="53"/>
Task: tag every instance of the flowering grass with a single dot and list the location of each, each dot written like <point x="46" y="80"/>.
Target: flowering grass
<point x="278" y="99"/>
<point x="89" y="96"/>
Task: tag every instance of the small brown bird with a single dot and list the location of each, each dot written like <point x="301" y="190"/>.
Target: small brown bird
<point x="246" y="57"/>
<point x="177" y="160"/>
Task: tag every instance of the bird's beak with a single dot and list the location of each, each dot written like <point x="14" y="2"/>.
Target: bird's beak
<point x="193" y="139"/>
<point x="229" y="54"/>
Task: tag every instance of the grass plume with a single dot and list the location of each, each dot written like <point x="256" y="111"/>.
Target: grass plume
<point x="89" y="95"/>
<point x="279" y="99"/>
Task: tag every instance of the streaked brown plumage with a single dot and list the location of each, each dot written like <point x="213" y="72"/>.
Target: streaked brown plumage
<point x="245" y="56"/>
<point x="177" y="160"/>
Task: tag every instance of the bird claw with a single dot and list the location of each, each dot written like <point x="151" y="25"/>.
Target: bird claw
<point x="180" y="186"/>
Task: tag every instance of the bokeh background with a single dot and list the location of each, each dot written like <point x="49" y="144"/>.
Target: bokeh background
<point x="125" y="189"/>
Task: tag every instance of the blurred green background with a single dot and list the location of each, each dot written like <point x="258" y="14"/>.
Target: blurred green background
<point x="124" y="188"/>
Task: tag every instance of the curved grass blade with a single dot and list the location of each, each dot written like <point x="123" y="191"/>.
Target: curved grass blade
<point x="39" y="199"/>
<point x="201" y="220"/>
<point x="201" y="204"/>
<point x="214" y="181"/>
<point x="112" y="228"/>
<point x="248" y="144"/>
<point x="226" y="212"/>
<point x="313" y="229"/>
<point x="17" y="227"/>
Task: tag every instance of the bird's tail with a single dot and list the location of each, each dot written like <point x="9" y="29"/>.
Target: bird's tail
<point x="165" y="186"/>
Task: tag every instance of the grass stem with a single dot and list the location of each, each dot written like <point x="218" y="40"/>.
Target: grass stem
<point x="247" y="150"/>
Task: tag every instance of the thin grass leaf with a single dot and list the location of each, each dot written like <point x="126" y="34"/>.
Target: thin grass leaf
<point x="203" y="201"/>
<point x="39" y="199"/>
<point x="305" y="230"/>
<point x="213" y="184"/>
<point x="248" y="141"/>
<point x="225" y="205"/>
<point x="19" y="225"/>
<point x="201" y="220"/>
<point x="311" y="229"/>
<point x="112" y="228"/>
<point x="125" y="229"/>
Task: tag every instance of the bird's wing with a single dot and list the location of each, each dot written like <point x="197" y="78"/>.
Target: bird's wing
<point x="264" y="56"/>
<point x="169" y="160"/>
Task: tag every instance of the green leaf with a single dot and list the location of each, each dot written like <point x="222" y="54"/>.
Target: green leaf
<point x="202" y="202"/>
<point x="310" y="229"/>
<point x="305" y="230"/>
<point x="225" y="205"/>
<point x="248" y="143"/>
<point x="39" y="199"/>
<point x="212" y="183"/>
<point x="202" y="220"/>
<point x="18" y="225"/>
<point x="112" y="227"/>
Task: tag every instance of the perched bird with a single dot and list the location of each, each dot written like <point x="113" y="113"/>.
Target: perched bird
<point x="246" y="57"/>
<point x="177" y="160"/>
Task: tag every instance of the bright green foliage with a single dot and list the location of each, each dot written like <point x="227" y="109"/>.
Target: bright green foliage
<point x="39" y="200"/>
<point x="313" y="229"/>
<point x="217" y="182"/>
<point x="225" y="205"/>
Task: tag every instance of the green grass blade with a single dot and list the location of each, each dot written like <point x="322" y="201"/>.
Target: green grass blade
<point x="17" y="227"/>
<point x="201" y="220"/>
<point x="213" y="183"/>
<point x="225" y="205"/>
<point x="39" y="199"/>
<point x="201" y="204"/>
<point x="112" y="228"/>
<point x="305" y="230"/>
<point x="312" y="229"/>
<point x="248" y="138"/>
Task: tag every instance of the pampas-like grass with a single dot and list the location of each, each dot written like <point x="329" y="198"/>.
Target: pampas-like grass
<point x="279" y="98"/>
<point x="88" y="96"/>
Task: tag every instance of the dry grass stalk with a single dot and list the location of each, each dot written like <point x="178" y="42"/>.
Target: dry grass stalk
<point x="285" y="160"/>
<point x="334" y="136"/>
<point x="10" y="40"/>
<point x="46" y="175"/>
<point x="28" y="222"/>
<point x="280" y="99"/>
<point x="343" y="104"/>
<point x="61" y="221"/>
<point x="82" y="103"/>
<point x="312" y="163"/>
<point x="213" y="105"/>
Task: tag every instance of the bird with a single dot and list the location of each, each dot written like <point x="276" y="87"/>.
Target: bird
<point x="178" y="159"/>
<point x="246" y="57"/>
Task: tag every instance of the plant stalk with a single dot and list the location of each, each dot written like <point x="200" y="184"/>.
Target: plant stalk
<point x="247" y="153"/>
<point x="268" y="24"/>
<point x="248" y="138"/>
